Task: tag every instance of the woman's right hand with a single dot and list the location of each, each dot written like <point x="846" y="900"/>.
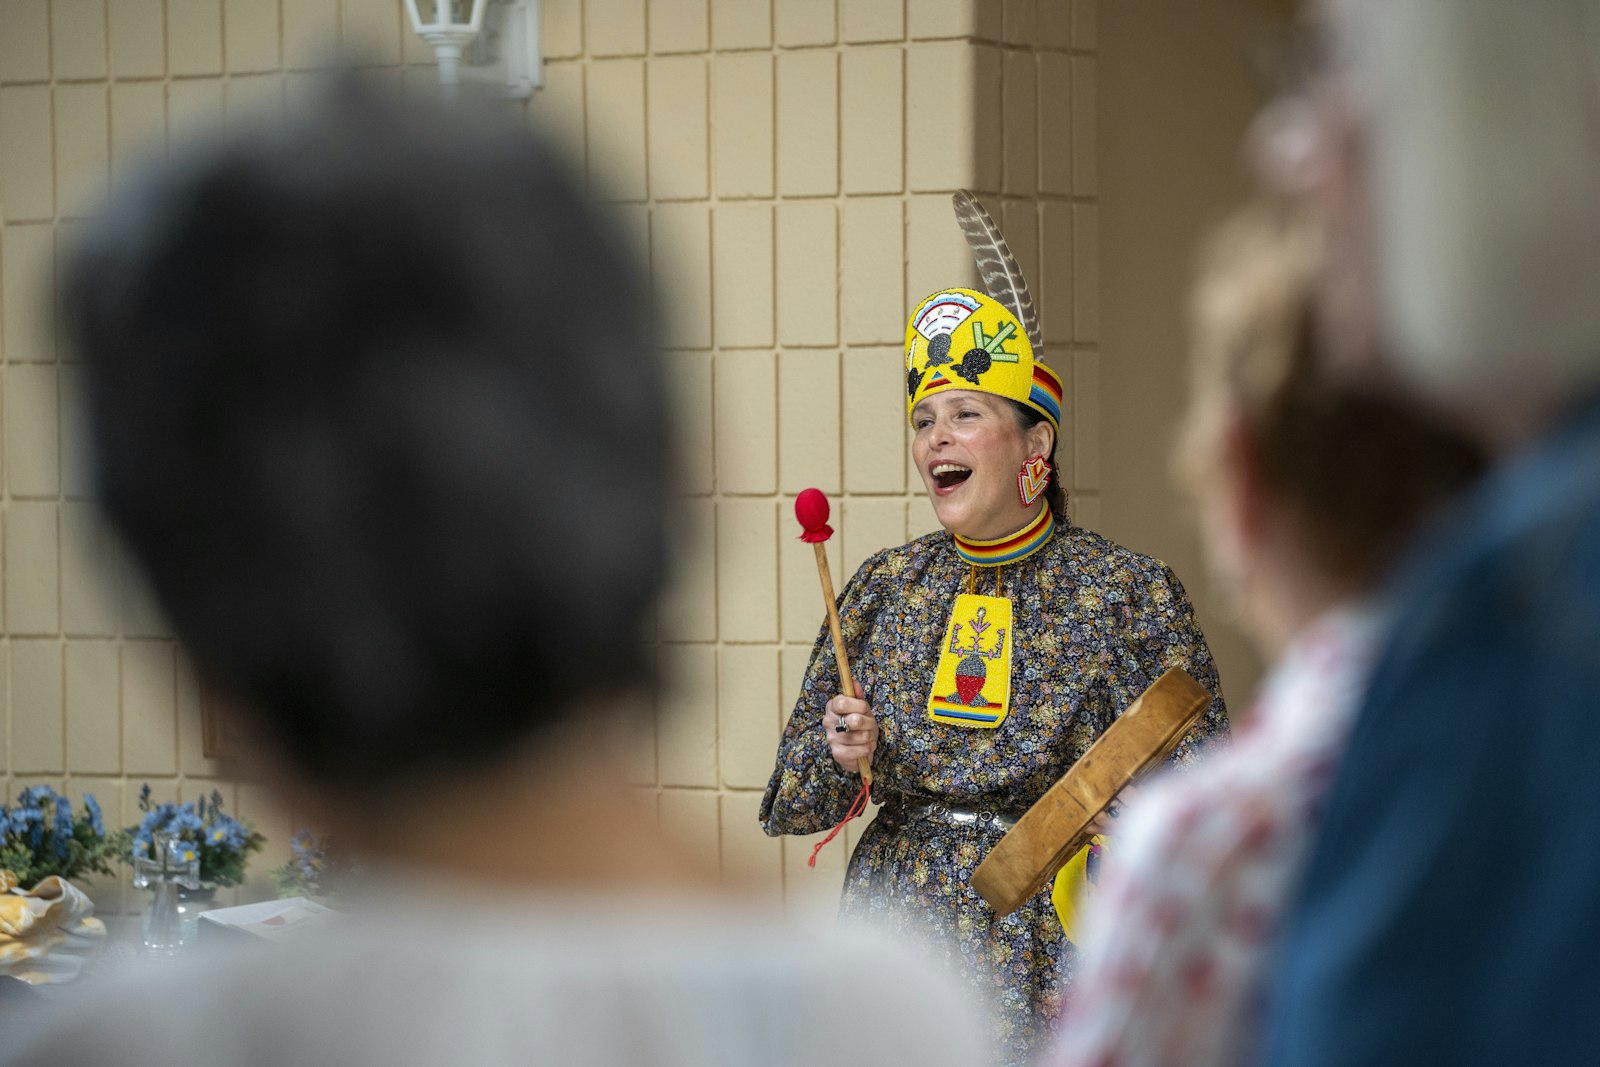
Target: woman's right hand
<point x="858" y="737"/>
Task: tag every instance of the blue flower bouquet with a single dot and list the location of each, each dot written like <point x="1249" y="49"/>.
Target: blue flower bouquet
<point x="41" y="835"/>
<point x="203" y="831"/>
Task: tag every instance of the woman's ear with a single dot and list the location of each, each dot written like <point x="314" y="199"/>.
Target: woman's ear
<point x="1230" y="514"/>
<point x="1042" y="441"/>
<point x="1245" y="486"/>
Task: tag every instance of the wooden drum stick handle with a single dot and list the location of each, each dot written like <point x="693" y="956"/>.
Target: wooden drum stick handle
<point x="847" y="684"/>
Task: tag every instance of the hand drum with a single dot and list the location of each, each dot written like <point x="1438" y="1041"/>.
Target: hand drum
<point x="1057" y="826"/>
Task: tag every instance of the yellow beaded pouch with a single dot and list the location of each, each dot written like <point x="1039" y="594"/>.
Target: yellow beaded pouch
<point x="972" y="686"/>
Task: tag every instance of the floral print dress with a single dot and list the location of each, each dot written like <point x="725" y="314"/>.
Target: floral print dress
<point x="1094" y="625"/>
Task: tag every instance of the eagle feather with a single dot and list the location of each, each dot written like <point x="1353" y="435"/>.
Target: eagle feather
<point x="1002" y="277"/>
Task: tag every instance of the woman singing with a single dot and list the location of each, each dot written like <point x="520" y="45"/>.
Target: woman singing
<point x="988" y="657"/>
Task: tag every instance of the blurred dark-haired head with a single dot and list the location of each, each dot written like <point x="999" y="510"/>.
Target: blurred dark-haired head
<point x="373" y="400"/>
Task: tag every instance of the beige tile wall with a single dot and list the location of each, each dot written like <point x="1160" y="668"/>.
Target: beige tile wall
<point x="785" y="166"/>
<point x="97" y="697"/>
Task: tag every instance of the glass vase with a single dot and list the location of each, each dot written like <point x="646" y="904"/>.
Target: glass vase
<point x="167" y="875"/>
<point x="163" y="931"/>
<point x="192" y="903"/>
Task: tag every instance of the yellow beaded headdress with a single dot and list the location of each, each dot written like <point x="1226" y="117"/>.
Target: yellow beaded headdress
<point x="963" y="339"/>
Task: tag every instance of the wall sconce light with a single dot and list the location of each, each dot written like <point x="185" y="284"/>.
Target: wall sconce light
<point x="503" y="38"/>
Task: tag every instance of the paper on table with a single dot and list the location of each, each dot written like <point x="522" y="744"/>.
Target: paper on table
<point x="272" y="919"/>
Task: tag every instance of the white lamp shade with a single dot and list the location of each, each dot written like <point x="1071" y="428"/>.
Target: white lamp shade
<point x="444" y="20"/>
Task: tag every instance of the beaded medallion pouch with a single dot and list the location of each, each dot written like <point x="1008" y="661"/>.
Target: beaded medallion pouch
<point x="972" y="686"/>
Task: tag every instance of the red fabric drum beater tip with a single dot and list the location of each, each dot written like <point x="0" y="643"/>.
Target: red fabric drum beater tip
<point x="811" y="508"/>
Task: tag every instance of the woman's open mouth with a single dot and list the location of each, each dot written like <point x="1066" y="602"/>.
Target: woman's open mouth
<point x="946" y="476"/>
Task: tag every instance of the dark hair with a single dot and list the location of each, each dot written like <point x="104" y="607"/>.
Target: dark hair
<point x="1361" y="470"/>
<point x="1055" y="496"/>
<point x="373" y="400"/>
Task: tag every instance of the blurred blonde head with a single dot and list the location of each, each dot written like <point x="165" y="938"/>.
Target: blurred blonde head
<point x="1325" y="479"/>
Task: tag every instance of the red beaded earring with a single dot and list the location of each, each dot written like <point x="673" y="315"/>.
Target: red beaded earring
<point x="1032" y="479"/>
